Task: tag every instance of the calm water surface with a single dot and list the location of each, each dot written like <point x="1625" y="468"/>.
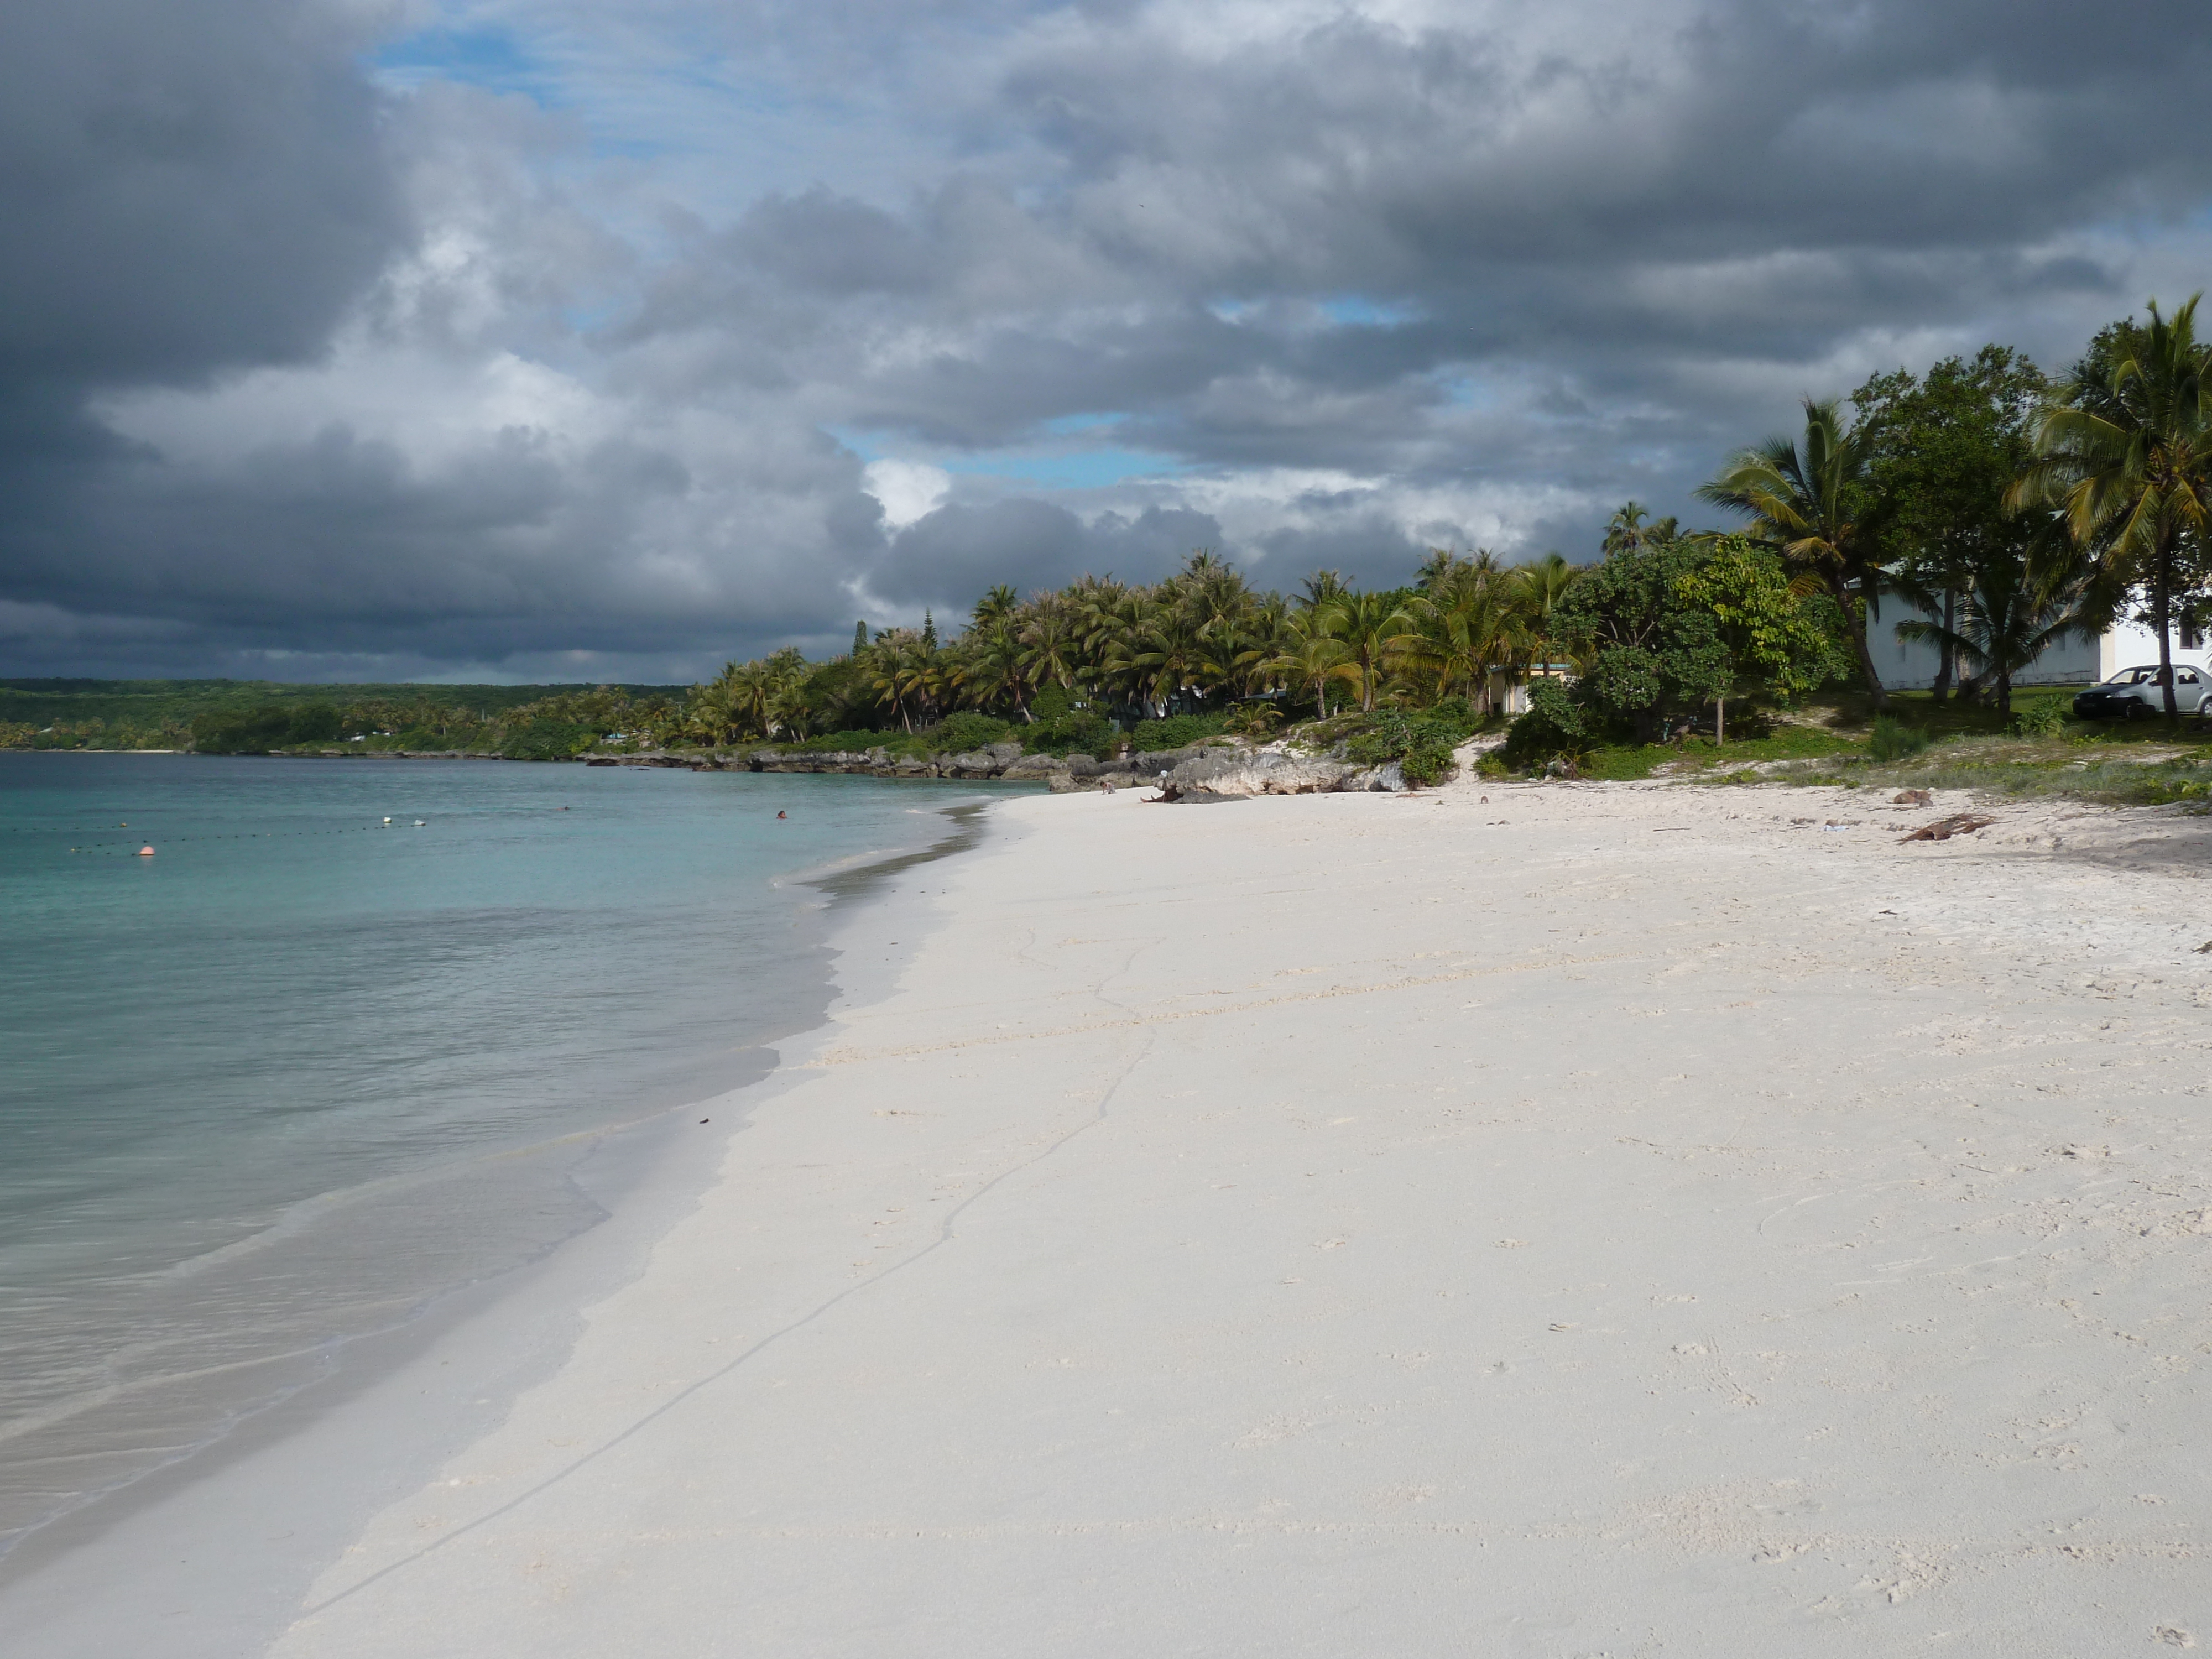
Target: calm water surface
<point x="300" y="1071"/>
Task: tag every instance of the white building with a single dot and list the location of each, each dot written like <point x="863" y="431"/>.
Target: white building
<point x="1911" y="666"/>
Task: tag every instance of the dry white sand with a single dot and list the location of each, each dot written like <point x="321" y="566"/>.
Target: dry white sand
<point x="1587" y="1220"/>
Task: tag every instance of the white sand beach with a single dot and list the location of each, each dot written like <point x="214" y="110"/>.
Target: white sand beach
<point x="1509" y="1220"/>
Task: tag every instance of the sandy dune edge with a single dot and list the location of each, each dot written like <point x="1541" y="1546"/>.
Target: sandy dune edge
<point x="1560" y="1220"/>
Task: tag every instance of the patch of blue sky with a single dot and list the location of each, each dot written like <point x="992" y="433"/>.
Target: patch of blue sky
<point x="1359" y="311"/>
<point x="1083" y="469"/>
<point x="868" y="448"/>
<point x="1470" y="392"/>
<point x="1301" y="315"/>
<point x="478" y="55"/>
<point x="590" y="317"/>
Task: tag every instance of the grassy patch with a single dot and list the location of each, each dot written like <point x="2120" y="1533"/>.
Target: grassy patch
<point x="2025" y="768"/>
<point x="1702" y="759"/>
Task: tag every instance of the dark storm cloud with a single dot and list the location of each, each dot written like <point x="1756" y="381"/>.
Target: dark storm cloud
<point x="184" y="188"/>
<point x="1361" y="286"/>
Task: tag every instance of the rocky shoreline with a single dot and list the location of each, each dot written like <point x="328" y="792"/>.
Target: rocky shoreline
<point x="1179" y="773"/>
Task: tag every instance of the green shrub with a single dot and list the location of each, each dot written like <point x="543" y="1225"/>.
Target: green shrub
<point x="1422" y="743"/>
<point x="546" y="740"/>
<point x="1082" y="730"/>
<point x="2046" y="719"/>
<point x="1893" y="739"/>
<point x="1178" y="732"/>
<point x="1256" y="719"/>
<point x="1555" y="725"/>
<point x="841" y="743"/>
<point x="959" y="733"/>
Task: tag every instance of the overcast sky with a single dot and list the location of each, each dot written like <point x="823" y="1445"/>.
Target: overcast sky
<point x="597" y="339"/>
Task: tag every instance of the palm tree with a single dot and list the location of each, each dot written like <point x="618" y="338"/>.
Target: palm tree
<point x="995" y="609"/>
<point x="1538" y="587"/>
<point x="1050" y="643"/>
<point x="1263" y="637"/>
<point x="1114" y="621"/>
<point x="1320" y="588"/>
<point x="995" y="667"/>
<point x="1314" y="657"/>
<point x="1804" y="501"/>
<point x="2004" y="622"/>
<point x="712" y="713"/>
<point x="2129" y="460"/>
<point x="902" y="670"/>
<point x="1168" y="654"/>
<point x="1366" y="622"/>
<point x="789" y="708"/>
<point x="1624" y="531"/>
<point x="1466" y="624"/>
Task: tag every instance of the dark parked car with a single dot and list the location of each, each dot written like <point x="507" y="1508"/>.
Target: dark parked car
<point x="2134" y="694"/>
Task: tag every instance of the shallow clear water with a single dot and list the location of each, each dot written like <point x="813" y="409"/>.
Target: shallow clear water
<point x="300" y="1071"/>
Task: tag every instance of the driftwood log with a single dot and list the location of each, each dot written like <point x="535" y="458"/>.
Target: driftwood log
<point x="1959" y="824"/>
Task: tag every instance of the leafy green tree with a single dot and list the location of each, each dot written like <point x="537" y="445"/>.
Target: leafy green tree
<point x="1554" y="724"/>
<point x="1783" y="641"/>
<point x="1646" y="649"/>
<point x="1945" y="449"/>
<point x="2126" y="454"/>
<point x="1809" y="501"/>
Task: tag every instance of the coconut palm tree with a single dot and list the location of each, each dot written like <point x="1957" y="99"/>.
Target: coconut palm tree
<point x="995" y="666"/>
<point x="995" y="609"/>
<point x="1465" y="624"/>
<point x="1536" y="589"/>
<point x="1366" y="622"/>
<point x="1314" y="658"/>
<point x="1805" y="500"/>
<point x="1264" y="637"/>
<point x="711" y="714"/>
<point x="904" y="673"/>
<point x="1320" y="588"/>
<point x="2128" y="461"/>
<point x="2004" y="623"/>
<point x="1624" y="531"/>
<point x="1114" y="622"/>
<point x="1168" y="654"/>
<point x="1051" y="644"/>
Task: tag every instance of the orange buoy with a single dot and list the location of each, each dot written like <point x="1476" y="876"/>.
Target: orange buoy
<point x="145" y="852"/>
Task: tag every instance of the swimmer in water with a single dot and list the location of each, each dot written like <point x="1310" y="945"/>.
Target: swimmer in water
<point x="780" y="815"/>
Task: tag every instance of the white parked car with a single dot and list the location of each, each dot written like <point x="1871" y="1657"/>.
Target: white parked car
<point x="2134" y="694"/>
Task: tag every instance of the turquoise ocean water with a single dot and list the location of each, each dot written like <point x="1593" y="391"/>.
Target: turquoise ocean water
<point x="301" y="1071"/>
